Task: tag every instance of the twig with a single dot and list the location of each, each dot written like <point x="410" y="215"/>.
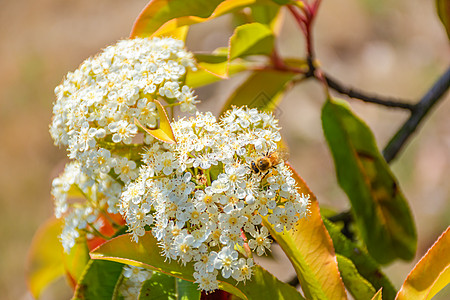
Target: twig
<point x="419" y="111"/>
<point x="353" y="93"/>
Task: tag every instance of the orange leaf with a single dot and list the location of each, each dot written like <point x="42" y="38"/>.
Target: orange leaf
<point x="163" y="17"/>
<point x="311" y="251"/>
<point x="431" y="273"/>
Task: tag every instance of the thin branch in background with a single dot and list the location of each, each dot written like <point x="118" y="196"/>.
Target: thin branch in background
<point x="354" y="93"/>
<point x="419" y="111"/>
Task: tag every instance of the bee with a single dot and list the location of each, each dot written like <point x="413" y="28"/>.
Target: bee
<point x="268" y="161"/>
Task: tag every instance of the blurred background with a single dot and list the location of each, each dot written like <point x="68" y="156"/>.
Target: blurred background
<point x="396" y="48"/>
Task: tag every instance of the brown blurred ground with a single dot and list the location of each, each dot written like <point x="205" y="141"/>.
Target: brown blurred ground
<point x="395" y="48"/>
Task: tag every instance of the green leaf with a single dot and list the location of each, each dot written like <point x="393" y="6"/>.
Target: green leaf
<point x="310" y="250"/>
<point x="269" y="15"/>
<point x="380" y="209"/>
<point x="357" y="285"/>
<point x="146" y="253"/>
<point x="251" y="39"/>
<point x="431" y="274"/>
<point x="443" y="9"/>
<point x="187" y="290"/>
<point x="164" y="133"/>
<point x="262" y="90"/>
<point x="159" y="286"/>
<point x="99" y="280"/>
<point x="364" y="263"/>
<point x="162" y="17"/>
<point x="45" y="258"/>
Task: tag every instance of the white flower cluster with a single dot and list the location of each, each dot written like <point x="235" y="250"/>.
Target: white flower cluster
<point x="96" y="105"/>
<point x="134" y="278"/>
<point x="79" y="200"/>
<point x="93" y="116"/>
<point x="203" y="198"/>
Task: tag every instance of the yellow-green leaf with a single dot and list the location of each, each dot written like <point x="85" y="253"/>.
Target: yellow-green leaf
<point x="311" y="252"/>
<point x="251" y="39"/>
<point x="210" y="73"/>
<point x="443" y="9"/>
<point x="262" y="90"/>
<point x="378" y="295"/>
<point x="45" y="259"/>
<point x="431" y="274"/>
<point x="367" y="267"/>
<point x="213" y="67"/>
<point x="75" y="262"/>
<point x="162" y="17"/>
<point x="357" y="285"/>
<point x="164" y="132"/>
<point x="381" y="211"/>
<point x="269" y="14"/>
<point x="146" y="253"/>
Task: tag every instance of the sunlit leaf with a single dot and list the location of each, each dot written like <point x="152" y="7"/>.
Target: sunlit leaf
<point x="251" y="39"/>
<point x="357" y="285"/>
<point x="146" y="253"/>
<point x="262" y="90"/>
<point x="158" y="12"/>
<point x="164" y="133"/>
<point x="213" y="67"/>
<point x="380" y="209"/>
<point x="431" y="274"/>
<point x="162" y="17"/>
<point x="45" y="259"/>
<point x="378" y="295"/>
<point x="99" y="280"/>
<point x="311" y="252"/>
<point x="443" y="9"/>
<point x="366" y="265"/>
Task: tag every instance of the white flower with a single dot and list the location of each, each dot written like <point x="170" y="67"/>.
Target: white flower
<point x="206" y="281"/>
<point x="126" y="169"/>
<point x="260" y="241"/>
<point x="244" y="269"/>
<point x="183" y="247"/>
<point x="226" y="261"/>
<point x="283" y="218"/>
<point x="165" y="162"/>
<point x="123" y="131"/>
